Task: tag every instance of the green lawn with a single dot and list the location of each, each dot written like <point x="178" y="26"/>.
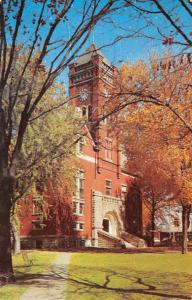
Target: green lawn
<point x="106" y="276"/>
<point x="25" y="274"/>
<point x="130" y="276"/>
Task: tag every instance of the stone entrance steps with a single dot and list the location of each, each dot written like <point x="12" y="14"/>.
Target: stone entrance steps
<point x="134" y="240"/>
<point x="106" y="240"/>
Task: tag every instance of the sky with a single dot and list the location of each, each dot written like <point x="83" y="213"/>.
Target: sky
<point x="121" y="24"/>
<point x="133" y="48"/>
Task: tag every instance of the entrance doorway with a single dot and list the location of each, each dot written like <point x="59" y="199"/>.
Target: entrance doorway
<point x="106" y="225"/>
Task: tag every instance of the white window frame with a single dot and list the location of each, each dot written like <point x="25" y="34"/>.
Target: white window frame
<point x="36" y="222"/>
<point x="84" y="111"/>
<point x="81" y="208"/>
<point x="37" y="207"/>
<point x="77" y="225"/>
<point x="81" y="144"/>
<point x="109" y="187"/>
<point x="77" y="211"/>
<point x="80" y="186"/>
<point x="123" y="190"/>
<point x="108" y="149"/>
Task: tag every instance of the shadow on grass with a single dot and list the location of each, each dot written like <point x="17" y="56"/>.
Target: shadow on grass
<point x="82" y="281"/>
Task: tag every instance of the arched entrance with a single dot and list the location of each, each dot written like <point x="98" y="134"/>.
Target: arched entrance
<point x="111" y="224"/>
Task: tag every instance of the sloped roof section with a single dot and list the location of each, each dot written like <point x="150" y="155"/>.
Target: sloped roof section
<point x="89" y="54"/>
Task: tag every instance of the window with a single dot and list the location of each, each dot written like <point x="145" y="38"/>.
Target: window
<point x="176" y="222"/>
<point x="78" y="226"/>
<point x="81" y="144"/>
<point x="90" y="110"/>
<point x="123" y="191"/>
<point x="105" y="120"/>
<point x="75" y="209"/>
<point x="81" y="226"/>
<point x="80" y="184"/>
<point x="81" y="208"/>
<point x="36" y="225"/>
<point x="37" y="207"/>
<point x="108" y="187"/>
<point x="84" y="111"/>
<point x="108" y="149"/>
<point x="78" y="208"/>
<point x="104" y="113"/>
<point x="75" y="225"/>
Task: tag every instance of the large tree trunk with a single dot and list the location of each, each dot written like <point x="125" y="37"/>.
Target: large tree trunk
<point x="152" y="228"/>
<point x="186" y="209"/>
<point x="153" y="211"/>
<point x="16" y="241"/>
<point x="7" y="183"/>
<point x="6" y="269"/>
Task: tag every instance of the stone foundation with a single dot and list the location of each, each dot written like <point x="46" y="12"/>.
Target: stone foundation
<point x="52" y="242"/>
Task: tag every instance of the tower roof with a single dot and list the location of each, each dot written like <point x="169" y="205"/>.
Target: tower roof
<point x="89" y="54"/>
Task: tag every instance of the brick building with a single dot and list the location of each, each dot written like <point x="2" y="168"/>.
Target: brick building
<point x="102" y="183"/>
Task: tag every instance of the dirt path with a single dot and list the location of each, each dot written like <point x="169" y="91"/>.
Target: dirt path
<point x="53" y="285"/>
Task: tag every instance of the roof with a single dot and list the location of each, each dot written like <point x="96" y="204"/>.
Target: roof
<point x="88" y="54"/>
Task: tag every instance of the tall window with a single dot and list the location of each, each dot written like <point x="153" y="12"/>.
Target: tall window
<point x="81" y="144"/>
<point x="74" y="207"/>
<point x="80" y="184"/>
<point x="108" y="187"/>
<point x="84" y="111"/>
<point x="81" y="208"/>
<point x="176" y="222"/>
<point x="108" y="149"/>
<point x="89" y="111"/>
<point x="37" y="207"/>
<point x="123" y="191"/>
<point x="78" y="208"/>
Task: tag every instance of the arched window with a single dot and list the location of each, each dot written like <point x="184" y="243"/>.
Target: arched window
<point x="90" y="110"/>
<point x="84" y="111"/>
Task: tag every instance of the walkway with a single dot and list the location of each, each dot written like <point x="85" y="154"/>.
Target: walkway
<point x="53" y="285"/>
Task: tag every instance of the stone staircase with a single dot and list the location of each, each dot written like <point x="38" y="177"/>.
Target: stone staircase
<point x="134" y="240"/>
<point x="127" y="240"/>
<point x="106" y="240"/>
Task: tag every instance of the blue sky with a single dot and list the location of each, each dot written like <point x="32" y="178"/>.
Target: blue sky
<point x="132" y="49"/>
<point x="126" y="50"/>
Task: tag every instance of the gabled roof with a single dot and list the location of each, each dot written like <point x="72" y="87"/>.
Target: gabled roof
<point x="89" y="54"/>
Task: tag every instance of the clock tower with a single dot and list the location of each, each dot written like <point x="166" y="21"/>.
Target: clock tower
<point x="91" y="79"/>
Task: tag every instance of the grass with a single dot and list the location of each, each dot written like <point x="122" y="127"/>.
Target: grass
<point x="25" y="274"/>
<point x="144" y="276"/>
<point x="110" y="276"/>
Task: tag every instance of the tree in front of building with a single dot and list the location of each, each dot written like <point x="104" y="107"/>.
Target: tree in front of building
<point x="48" y="151"/>
<point x="39" y="32"/>
<point x="158" y="118"/>
<point x="146" y="160"/>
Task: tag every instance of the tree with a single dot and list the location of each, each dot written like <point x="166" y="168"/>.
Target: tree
<point x="48" y="150"/>
<point x="158" y="133"/>
<point x="165" y="22"/>
<point x="184" y="186"/>
<point x="43" y="39"/>
<point x="146" y="150"/>
<point x="166" y="83"/>
<point x="51" y="198"/>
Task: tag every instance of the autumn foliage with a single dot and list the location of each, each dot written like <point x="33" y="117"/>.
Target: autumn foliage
<point x="155" y="129"/>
